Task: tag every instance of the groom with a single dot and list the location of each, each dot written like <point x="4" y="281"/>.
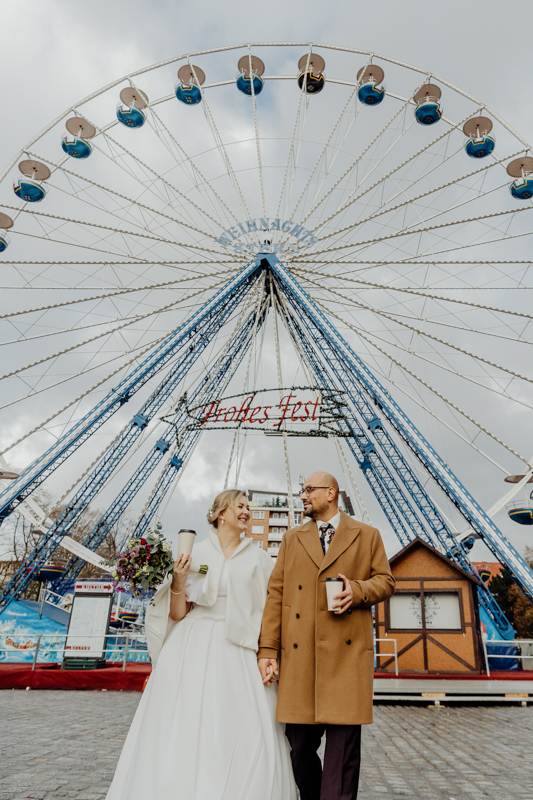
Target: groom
<point x="326" y="658"/>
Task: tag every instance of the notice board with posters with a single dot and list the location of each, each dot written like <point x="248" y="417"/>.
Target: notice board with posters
<point x="89" y="619"/>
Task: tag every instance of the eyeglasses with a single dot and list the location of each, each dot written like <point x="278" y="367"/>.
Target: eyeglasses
<point x="309" y="489"/>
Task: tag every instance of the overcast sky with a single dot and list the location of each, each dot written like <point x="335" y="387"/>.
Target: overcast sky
<point x="54" y="53"/>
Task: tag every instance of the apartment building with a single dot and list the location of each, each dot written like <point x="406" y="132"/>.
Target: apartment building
<point x="270" y="516"/>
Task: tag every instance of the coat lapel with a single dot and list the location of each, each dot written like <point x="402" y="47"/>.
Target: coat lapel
<point x="345" y="534"/>
<point x="308" y="536"/>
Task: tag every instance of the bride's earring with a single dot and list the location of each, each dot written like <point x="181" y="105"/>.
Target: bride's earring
<point x="221" y="521"/>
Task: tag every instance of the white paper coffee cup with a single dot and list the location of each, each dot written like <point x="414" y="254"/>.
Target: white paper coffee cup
<point x="186" y="542"/>
<point x="333" y="586"/>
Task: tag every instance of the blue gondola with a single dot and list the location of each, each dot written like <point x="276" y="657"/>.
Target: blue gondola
<point x="130" y="116"/>
<point x="479" y="144"/>
<point x="244" y="84"/>
<point x="428" y="113"/>
<point x="371" y="91"/>
<point x="428" y="110"/>
<point x="187" y="89"/>
<point x="522" y="515"/>
<point x="75" y="147"/>
<point x="4" y="242"/>
<point x="30" y="191"/>
<point x="50" y="572"/>
<point x="191" y="95"/>
<point x="250" y="66"/>
<point x="479" y="148"/>
<point x="370" y="94"/>
<point x="522" y="189"/>
<point x="521" y="169"/>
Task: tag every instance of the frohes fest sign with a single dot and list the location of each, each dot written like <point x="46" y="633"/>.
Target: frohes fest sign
<point x="299" y="411"/>
<point x="304" y="237"/>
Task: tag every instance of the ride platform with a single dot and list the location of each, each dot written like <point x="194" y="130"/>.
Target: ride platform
<point x="502" y="687"/>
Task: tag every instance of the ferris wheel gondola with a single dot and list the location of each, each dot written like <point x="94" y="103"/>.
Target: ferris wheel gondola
<point x="5" y="224"/>
<point x="311" y="79"/>
<point x="427" y="100"/>
<point x="522" y="170"/>
<point x="371" y="89"/>
<point x="76" y="144"/>
<point x="130" y="109"/>
<point x="479" y="143"/>
<point x="31" y="188"/>
<point x="188" y="88"/>
<point x="249" y="80"/>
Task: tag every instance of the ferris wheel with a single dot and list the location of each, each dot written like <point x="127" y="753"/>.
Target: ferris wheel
<point x="383" y="215"/>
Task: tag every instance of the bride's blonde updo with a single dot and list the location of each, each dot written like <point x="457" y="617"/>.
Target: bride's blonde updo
<point x="222" y="501"/>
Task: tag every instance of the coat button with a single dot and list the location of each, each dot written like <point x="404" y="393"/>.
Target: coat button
<point x="349" y="611"/>
<point x="299" y="587"/>
<point x="295" y="645"/>
<point x="348" y="641"/>
<point x="297" y="616"/>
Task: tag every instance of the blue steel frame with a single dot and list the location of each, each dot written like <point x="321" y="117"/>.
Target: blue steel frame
<point x="395" y="484"/>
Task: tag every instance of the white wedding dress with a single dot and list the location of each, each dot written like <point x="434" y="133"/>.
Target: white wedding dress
<point x="205" y="728"/>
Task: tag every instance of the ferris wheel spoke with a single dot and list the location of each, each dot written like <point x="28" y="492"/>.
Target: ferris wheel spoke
<point x="371" y="338"/>
<point x="343" y="206"/>
<point x="426" y="231"/>
<point x="337" y="148"/>
<point x="226" y="161"/>
<point x="112" y="293"/>
<point x="297" y="120"/>
<point x="478" y="358"/>
<point x="432" y="389"/>
<point x="199" y="180"/>
<point x="518" y="336"/>
<point x="417" y="292"/>
<point x="348" y="171"/>
<point x="156" y="214"/>
<point x="384" y="209"/>
<point x="173" y="190"/>
<point x="112" y="231"/>
<point x="418" y="399"/>
<point x="109" y="332"/>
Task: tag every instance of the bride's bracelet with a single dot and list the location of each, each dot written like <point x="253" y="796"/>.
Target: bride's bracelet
<point x="171" y="592"/>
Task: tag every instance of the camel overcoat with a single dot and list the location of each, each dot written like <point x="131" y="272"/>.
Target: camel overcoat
<point x="326" y="660"/>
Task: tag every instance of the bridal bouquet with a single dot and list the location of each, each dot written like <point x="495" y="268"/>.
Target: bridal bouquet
<point x="144" y="564"/>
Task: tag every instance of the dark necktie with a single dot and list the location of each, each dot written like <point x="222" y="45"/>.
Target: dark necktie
<point x="326" y="530"/>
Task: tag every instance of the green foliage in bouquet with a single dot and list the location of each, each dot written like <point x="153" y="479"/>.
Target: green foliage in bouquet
<point x="144" y="564"/>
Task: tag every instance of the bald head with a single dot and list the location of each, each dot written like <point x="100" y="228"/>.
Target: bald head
<point x="322" y="502"/>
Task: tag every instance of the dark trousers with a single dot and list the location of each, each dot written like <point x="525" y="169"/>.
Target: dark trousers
<point x="342" y="760"/>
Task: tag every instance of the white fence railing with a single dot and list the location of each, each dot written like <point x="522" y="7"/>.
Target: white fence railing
<point x="394" y="652"/>
<point x="518" y="654"/>
<point x="122" y="650"/>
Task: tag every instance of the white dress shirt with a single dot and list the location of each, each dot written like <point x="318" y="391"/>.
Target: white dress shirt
<point x="334" y="522"/>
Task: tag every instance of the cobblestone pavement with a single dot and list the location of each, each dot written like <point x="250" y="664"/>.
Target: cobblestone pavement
<point x="64" y="746"/>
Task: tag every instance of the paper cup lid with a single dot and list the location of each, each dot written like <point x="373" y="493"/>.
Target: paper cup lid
<point x="186" y="530"/>
<point x="335" y="579"/>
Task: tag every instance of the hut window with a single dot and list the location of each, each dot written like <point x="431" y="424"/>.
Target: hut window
<point x="441" y="611"/>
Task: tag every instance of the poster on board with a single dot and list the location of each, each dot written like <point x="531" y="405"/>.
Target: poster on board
<point x="89" y="619"/>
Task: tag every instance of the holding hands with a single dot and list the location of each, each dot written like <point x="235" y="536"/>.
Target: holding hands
<point x="268" y="667"/>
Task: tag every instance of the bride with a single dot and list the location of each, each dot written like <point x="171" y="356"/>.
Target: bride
<point x="206" y="728"/>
